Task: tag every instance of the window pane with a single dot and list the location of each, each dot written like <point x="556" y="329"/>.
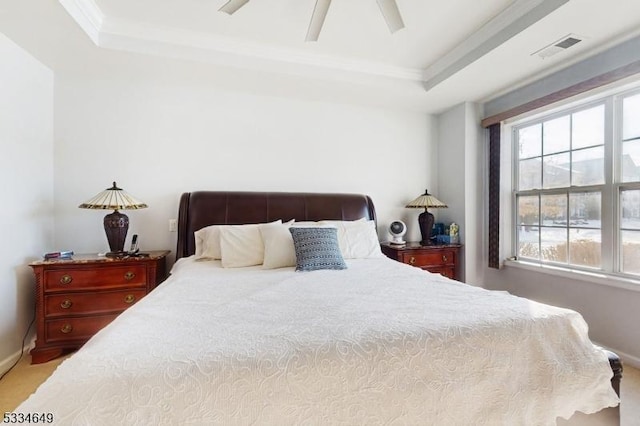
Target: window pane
<point x="528" y="248"/>
<point x="631" y="161"/>
<point x="630" y="206"/>
<point x="553" y="243"/>
<point x="528" y="210"/>
<point x="584" y="210"/>
<point x="587" y="166"/>
<point x="555" y="171"/>
<point x="530" y="141"/>
<point x="556" y="135"/>
<point x="631" y="117"/>
<point x="587" y="128"/>
<point x="530" y="174"/>
<point x="554" y="210"/>
<point x="631" y="252"/>
<point x="585" y="247"/>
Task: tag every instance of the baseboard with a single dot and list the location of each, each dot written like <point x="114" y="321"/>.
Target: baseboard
<point x="627" y="359"/>
<point x="8" y="362"/>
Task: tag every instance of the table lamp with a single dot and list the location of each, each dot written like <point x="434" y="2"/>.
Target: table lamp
<point x="116" y="224"/>
<point x="425" y="219"/>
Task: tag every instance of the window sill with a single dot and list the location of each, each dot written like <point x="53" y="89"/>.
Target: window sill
<point x="594" y="277"/>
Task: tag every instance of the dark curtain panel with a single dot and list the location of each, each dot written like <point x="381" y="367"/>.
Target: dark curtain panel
<point x="494" y="196"/>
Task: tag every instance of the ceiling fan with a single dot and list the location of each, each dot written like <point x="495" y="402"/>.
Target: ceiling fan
<point x="389" y="10"/>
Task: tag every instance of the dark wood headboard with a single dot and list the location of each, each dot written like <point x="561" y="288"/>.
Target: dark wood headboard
<point x="204" y="208"/>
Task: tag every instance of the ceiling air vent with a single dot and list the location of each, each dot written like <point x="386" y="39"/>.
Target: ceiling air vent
<point x="558" y="46"/>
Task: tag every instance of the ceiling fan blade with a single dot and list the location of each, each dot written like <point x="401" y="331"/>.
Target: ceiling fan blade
<point x="317" y="19"/>
<point x="232" y="5"/>
<point x="391" y="14"/>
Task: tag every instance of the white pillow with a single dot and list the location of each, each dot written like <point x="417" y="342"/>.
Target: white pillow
<point x="208" y="241"/>
<point x="357" y="239"/>
<point x="279" y="251"/>
<point x="337" y="222"/>
<point x="198" y="236"/>
<point x="310" y="224"/>
<point x="241" y="245"/>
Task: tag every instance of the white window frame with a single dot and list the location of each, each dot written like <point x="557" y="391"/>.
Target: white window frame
<point x="609" y="273"/>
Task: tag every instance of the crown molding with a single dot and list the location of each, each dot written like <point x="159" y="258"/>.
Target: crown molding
<point x="122" y="34"/>
<point x="140" y="37"/>
<point x="511" y="21"/>
<point x="86" y="14"/>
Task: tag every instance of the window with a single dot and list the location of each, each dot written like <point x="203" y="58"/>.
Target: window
<point x="577" y="191"/>
<point x="629" y="188"/>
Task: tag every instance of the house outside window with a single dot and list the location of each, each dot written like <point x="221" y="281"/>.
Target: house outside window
<point x="577" y="187"/>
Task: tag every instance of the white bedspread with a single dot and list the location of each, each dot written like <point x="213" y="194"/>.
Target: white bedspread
<point x="378" y="343"/>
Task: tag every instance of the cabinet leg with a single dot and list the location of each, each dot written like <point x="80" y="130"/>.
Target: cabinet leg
<point x="38" y="356"/>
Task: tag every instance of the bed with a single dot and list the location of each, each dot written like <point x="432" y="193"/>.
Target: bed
<point x="379" y="342"/>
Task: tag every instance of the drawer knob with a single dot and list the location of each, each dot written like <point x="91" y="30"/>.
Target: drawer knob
<point x="66" y="304"/>
<point x="129" y="276"/>
<point x="66" y="279"/>
<point x="412" y="260"/>
<point x="129" y="298"/>
<point x="444" y="258"/>
<point x="66" y="329"/>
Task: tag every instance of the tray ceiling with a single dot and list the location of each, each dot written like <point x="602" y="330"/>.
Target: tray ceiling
<point x="481" y="47"/>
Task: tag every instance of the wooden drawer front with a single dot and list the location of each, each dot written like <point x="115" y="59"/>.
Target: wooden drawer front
<point x="95" y="278"/>
<point x="91" y="303"/>
<point x="435" y="258"/>
<point x="447" y="271"/>
<point x="80" y="329"/>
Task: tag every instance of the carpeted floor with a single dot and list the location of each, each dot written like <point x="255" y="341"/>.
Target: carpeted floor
<point x="630" y="397"/>
<point x="24" y="379"/>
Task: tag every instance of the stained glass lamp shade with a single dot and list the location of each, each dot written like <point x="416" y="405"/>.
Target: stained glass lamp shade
<point x="116" y="224"/>
<point x="426" y="219"/>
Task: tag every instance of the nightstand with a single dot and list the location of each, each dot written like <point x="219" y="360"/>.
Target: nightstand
<point x="438" y="258"/>
<point x="75" y="298"/>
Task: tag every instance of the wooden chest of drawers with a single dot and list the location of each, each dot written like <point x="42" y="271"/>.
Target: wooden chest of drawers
<point x="442" y="259"/>
<point x="78" y="297"/>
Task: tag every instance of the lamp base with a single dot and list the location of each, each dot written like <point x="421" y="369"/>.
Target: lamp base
<point x="116" y="226"/>
<point x="116" y="254"/>
<point x="425" y="220"/>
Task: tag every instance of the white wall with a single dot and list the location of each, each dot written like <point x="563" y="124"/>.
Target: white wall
<point x="612" y="313"/>
<point x="26" y="172"/>
<point x="460" y="167"/>
<point x="161" y="128"/>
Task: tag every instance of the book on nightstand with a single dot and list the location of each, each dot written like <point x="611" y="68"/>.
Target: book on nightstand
<point x="58" y="255"/>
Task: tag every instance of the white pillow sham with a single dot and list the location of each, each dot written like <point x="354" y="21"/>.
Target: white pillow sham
<point x="241" y="245"/>
<point x="208" y="240"/>
<point x="271" y="244"/>
<point x="357" y="239"/>
<point x="279" y="251"/>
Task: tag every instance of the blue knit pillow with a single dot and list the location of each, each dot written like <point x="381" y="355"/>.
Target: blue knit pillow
<point x="317" y="248"/>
